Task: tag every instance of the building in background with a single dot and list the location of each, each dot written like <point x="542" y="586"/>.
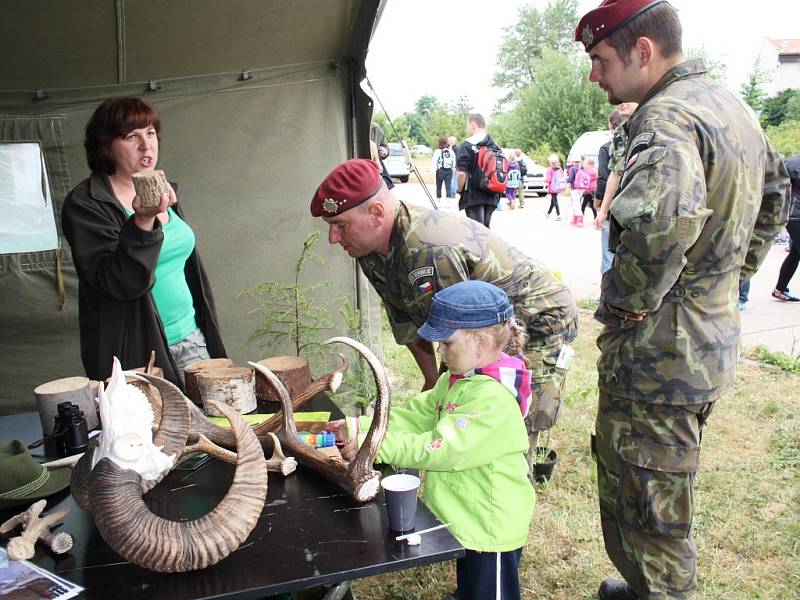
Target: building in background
<point x="780" y="61"/>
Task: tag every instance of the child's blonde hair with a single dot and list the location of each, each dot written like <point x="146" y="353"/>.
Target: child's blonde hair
<point x="508" y="336"/>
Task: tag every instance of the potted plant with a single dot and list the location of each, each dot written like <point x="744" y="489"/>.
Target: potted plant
<point x="544" y="461"/>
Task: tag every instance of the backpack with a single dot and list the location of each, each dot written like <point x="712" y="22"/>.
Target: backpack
<point x="523" y="168"/>
<point x="514" y="177"/>
<point x="447" y="159"/>
<point x="491" y="169"/>
<point x="559" y="181"/>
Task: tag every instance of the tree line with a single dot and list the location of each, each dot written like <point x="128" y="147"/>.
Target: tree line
<point x="550" y="101"/>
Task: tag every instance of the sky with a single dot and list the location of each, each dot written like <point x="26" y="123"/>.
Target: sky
<point x="448" y="48"/>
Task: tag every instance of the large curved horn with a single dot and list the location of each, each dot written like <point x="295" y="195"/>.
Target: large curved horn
<point x="173" y="429"/>
<point x="358" y="476"/>
<point x="141" y="537"/>
<point x="172" y="433"/>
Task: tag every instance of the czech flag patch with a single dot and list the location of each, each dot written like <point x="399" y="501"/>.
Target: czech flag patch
<point x="425" y="287"/>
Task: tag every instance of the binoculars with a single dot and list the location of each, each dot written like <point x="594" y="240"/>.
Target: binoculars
<point x="71" y="434"/>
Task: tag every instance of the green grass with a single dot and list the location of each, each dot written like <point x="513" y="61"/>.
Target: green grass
<point x="747" y="524"/>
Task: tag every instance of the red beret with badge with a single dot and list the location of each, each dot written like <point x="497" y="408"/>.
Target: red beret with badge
<point x="604" y="20"/>
<point x="348" y="185"/>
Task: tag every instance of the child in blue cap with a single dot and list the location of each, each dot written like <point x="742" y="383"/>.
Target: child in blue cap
<point x="469" y="435"/>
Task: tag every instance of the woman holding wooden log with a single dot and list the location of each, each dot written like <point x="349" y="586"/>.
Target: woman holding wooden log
<point x="142" y="287"/>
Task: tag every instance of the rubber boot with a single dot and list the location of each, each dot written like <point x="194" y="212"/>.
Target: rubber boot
<point x="580" y="221"/>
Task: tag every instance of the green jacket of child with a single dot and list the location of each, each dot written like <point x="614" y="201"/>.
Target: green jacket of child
<point x="470" y="439"/>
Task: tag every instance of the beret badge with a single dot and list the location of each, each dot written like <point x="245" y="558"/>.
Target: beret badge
<point x="330" y="206"/>
<point x="587" y="37"/>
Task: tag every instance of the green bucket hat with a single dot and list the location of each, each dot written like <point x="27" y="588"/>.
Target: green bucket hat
<point x="23" y="479"/>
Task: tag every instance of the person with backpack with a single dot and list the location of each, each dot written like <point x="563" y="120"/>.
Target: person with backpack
<point x="442" y="163"/>
<point x="556" y="183"/>
<point x="514" y="180"/>
<point x="482" y="172"/>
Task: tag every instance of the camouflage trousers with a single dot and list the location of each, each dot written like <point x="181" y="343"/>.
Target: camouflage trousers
<point x="647" y="457"/>
<point x="547" y="384"/>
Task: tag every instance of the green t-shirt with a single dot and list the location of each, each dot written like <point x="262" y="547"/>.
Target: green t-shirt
<point x="170" y="291"/>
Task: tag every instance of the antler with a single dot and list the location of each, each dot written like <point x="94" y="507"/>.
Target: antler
<point x="35" y="528"/>
<point x="358" y="476"/>
<point x="278" y="463"/>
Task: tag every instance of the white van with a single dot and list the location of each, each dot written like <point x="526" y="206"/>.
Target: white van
<point x="588" y="145"/>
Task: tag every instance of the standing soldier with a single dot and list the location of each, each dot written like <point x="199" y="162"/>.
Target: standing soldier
<point x="701" y="196"/>
<point x="409" y="253"/>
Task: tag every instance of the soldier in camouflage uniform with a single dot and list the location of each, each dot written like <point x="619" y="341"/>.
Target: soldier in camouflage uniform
<point x="702" y="195"/>
<point x="409" y="253"/>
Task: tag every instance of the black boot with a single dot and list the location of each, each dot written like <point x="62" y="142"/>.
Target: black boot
<point x="616" y="589"/>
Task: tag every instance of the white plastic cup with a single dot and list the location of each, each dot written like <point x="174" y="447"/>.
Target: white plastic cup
<point x="400" y="492"/>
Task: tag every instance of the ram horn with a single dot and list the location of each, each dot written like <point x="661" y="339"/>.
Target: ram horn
<point x="171" y="434"/>
<point x="127" y="525"/>
<point x="358" y="476"/>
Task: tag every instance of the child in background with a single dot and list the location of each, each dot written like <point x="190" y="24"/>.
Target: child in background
<point x="576" y="192"/>
<point x="585" y="182"/>
<point x="468" y="434"/>
<point x="513" y="180"/>
<point x="556" y="183"/>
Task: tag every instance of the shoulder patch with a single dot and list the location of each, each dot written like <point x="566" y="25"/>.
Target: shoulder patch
<point x="421" y="272"/>
<point x="640" y="142"/>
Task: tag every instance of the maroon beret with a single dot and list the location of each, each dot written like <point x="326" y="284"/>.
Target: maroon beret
<point x="607" y="18"/>
<point x="348" y="185"/>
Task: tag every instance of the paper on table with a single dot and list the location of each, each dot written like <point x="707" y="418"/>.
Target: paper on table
<point x="23" y="578"/>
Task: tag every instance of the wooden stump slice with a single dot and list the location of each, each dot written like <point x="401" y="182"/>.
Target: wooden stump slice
<point x="70" y="389"/>
<point x="150" y="186"/>
<point x="191" y="371"/>
<point x="234" y="386"/>
<point x="293" y="372"/>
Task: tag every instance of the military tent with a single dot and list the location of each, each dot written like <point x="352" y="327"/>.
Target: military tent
<point x="258" y="100"/>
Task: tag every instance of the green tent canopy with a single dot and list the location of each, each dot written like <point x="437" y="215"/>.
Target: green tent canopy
<point x="258" y="100"/>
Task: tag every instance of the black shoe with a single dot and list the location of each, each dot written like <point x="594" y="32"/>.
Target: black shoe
<point x="616" y="589"/>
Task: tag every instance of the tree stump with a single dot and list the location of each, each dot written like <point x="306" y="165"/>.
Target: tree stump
<point x="234" y="386"/>
<point x="150" y="186"/>
<point x="70" y="389"/>
<point x="293" y="372"/>
<point x="191" y="371"/>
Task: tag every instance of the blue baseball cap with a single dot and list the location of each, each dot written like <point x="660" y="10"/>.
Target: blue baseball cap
<point x="465" y="305"/>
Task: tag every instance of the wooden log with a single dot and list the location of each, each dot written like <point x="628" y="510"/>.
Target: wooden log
<point x="191" y="371"/>
<point x="234" y="386"/>
<point x="293" y="372"/>
<point x="150" y="186"/>
<point x="70" y="389"/>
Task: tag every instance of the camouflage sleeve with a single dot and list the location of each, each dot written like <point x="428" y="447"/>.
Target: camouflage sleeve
<point x="403" y="328"/>
<point x="772" y="214"/>
<point x="441" y="266"/>
<point x="661" y="207"/>
<point x="616" y="160"/>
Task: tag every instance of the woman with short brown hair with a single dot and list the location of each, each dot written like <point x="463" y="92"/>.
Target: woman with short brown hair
<point x="142" y="287"/>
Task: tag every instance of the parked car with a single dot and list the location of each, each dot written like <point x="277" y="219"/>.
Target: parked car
<point x="421" y="149"/>
<point x="534" y="179"/>
<point x="397" y="163"/>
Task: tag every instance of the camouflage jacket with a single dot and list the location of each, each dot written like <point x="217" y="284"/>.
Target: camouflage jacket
<point x="702" y="194"/>
<point x="430" y="250"/>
